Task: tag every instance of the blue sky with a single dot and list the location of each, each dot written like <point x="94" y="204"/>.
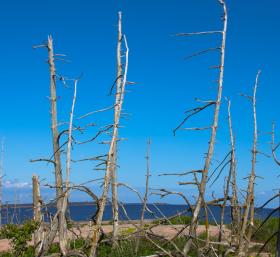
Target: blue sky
<point x="166" y="87"/>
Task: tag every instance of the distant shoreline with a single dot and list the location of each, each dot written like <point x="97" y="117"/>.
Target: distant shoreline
<point x="30" y="205"/>
<point x="88" y="203"/>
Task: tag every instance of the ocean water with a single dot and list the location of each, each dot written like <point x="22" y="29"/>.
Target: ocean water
<point x="84" y="212"/>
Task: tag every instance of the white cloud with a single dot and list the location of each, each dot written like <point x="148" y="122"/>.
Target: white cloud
<point x="262" y="193"/>
<point x="15" y="184"/>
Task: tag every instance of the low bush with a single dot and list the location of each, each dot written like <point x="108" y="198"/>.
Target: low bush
<point x="19" y="236"/>
<point x="175" y="221"/>
<point x="265" y="232"/>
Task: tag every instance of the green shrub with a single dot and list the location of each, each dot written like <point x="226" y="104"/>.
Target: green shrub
<point x="6" y="254"/>
<point x="175" y="221"/>
<point x="20" y="235"/>
<point x="127" y="248"/>
<point x="265" y="232"/>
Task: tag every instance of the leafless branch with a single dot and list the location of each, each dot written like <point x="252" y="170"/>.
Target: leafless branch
<point x="114" y="84"/>
<point x="58" y="59"/>
<point x="145" y="233"/>
<point x="47" y="160"/>
<point x="272" y="147"/>
<point x="274" y="234"/>
<point x="250" y="97"/>
<point x="220" y="172"/>
<point x="34" y="47"/>
<point x="267" y="202"/>
<point x="276" y="209"/>
<point x="219" y="166"/>
<point x="173" y="192"/>
<point x="195" y="111"/>
<point x="99" y="133"/>
<point x="215" y="67"/>
<point x="97" y="111"/>
<point x="197" y="128"/>
<point x="210" y="49"/>
<point x="198" y="33"/>
<point x="181" y="174"/>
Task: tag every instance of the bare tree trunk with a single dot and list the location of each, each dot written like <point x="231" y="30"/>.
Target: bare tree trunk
<point x="58" y="174"/>
<point x="103" y="199"/>
<point x="37" y="214"/>
<point x="116" y="121"/>
<point x="249" y="204"/>
<point x="212" y="140"/>
<point x="223" y="207"/>
<point x="59" y="222"/>
<point x="235" y="212"/>
<point x="145" y="198"/>
<point x="56" y="150"/>
<point x="1" y="172"/>
<point x="206" y="227"/>
<point x="62" y="219"/>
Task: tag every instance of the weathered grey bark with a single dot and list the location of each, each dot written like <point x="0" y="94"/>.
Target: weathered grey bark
<point x="55" y="139"/>
<point x="1" y="172"/>
<point x="37" y="215"/>
<point x="56" y="150"/>
<point x="64" y="247"/>
<point x="242" y="249"/>
<point x="206" y="228"/>
<point x="223" y="207"/>
<point x="212" y="140"/>
<point x="58" y="174"/>
<point x="235" y="212"/>
<point x="117" y="112"/>
<point x="103" y="199"/>
<point x="145" y="198"/>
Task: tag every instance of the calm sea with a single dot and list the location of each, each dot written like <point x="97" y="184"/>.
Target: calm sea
<point x="84" y="212"/>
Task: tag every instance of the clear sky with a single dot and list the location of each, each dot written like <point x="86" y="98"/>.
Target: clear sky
<point x="166" y="87"/>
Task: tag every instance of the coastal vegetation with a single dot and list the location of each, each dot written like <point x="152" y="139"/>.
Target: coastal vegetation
<point x="126" y="247"/>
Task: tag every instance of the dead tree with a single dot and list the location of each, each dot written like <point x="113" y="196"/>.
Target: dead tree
<point x="37" y="215"/>
<point x="235" y="211"/>
<point x="110" y="163"/>
<point x="234" y="199"/>
<point x="202" y="184"/>
<point x="110" y="174"/>
<point x="146" y="196"/>
<point x="243" y="238"/>
<point x="74" y="252"/>
<point x="117" y="112"/>
<point x="223" y="205"/>
<point x="62" y="218"/>
<point x="59" y="221"/>
<point x="55" y="138"/>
